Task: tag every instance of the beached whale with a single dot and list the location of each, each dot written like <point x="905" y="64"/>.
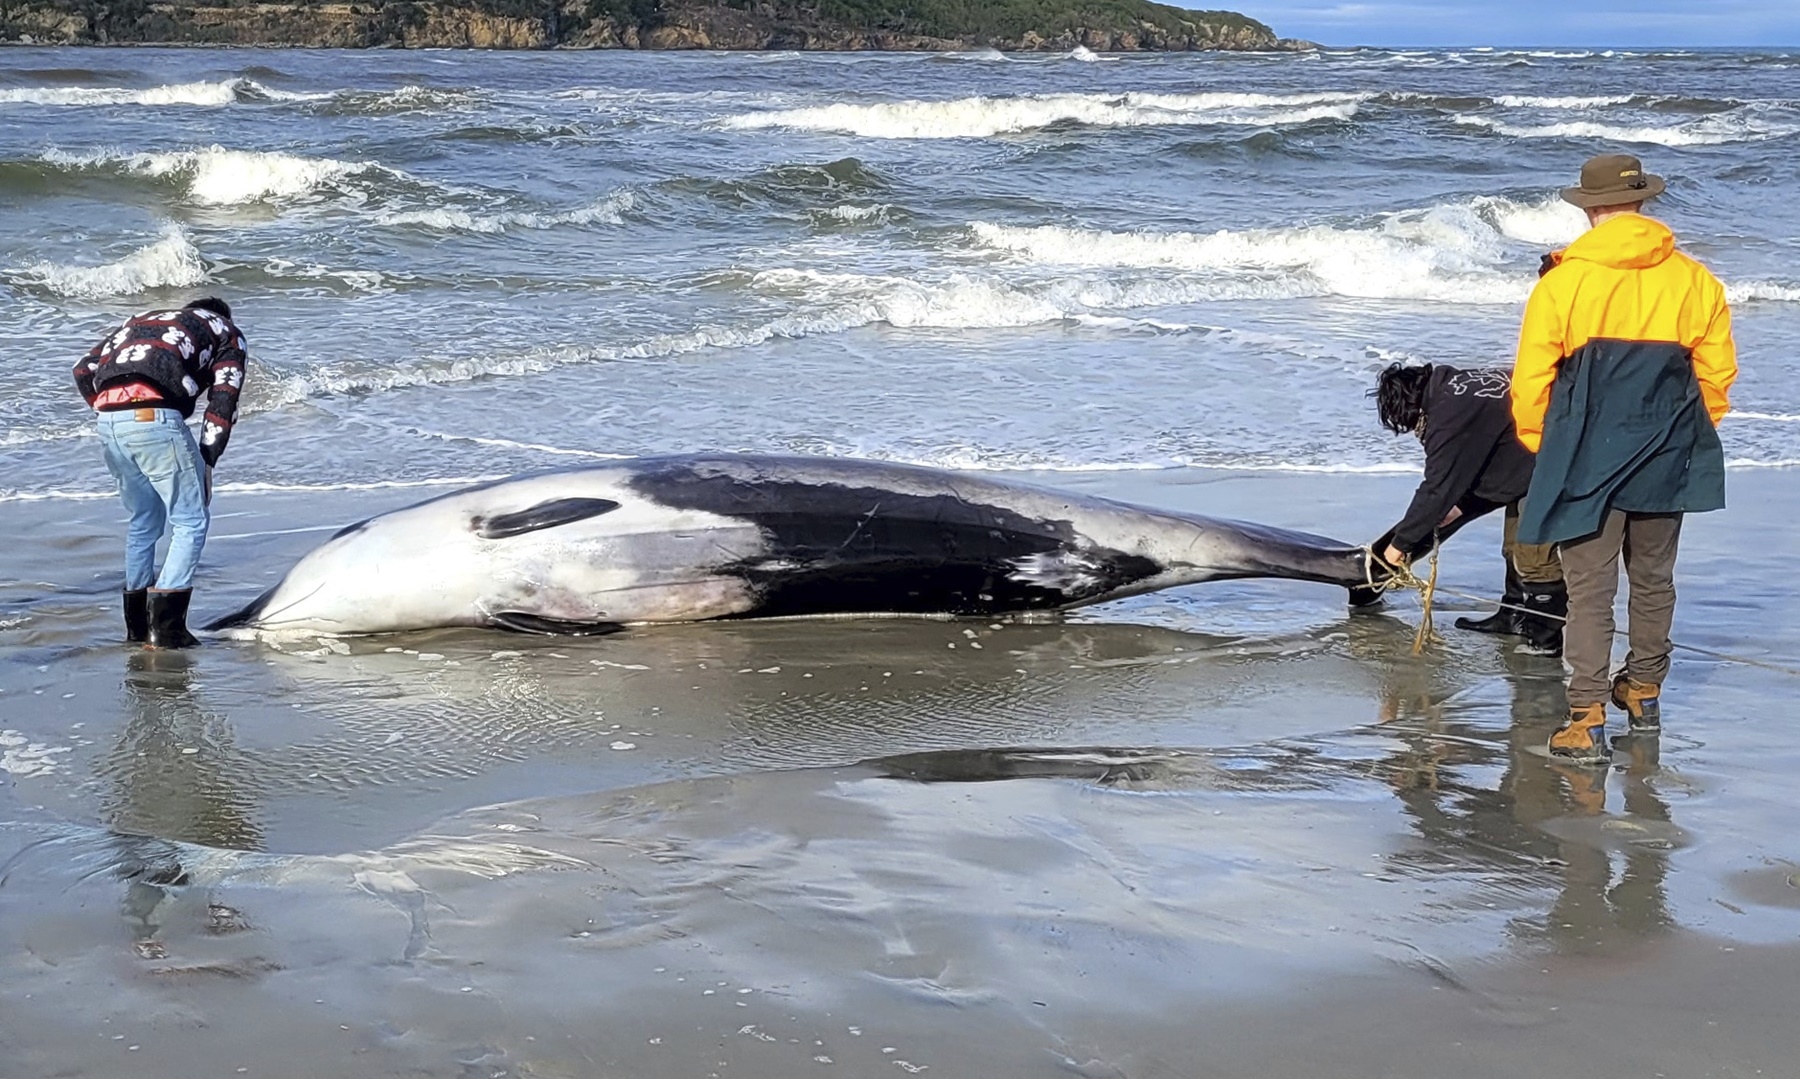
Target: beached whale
<point x="691" y="538"/>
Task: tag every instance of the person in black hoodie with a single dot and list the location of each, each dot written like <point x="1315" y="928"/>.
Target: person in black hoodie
<point x="1474" y="464"/>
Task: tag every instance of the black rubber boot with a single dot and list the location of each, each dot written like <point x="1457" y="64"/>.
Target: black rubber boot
<point x="168" y="619"/>
<point x="1546" y="607"/>
<point x="1506" y="620"/>
<point x="137" y="615"/>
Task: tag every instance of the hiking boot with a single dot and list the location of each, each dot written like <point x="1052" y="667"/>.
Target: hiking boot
<point x="1506" y="619"/>
<point x="1641" y="703"/>
<point x="1546" y="608"/>
<point x="137" y="615"/>
<point x="1582" y="737"/>
<point x="168" y="619"/>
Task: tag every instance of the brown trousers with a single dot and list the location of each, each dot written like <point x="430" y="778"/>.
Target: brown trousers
<point x="1535" y="563"/>
<point x="1591" y="567"/>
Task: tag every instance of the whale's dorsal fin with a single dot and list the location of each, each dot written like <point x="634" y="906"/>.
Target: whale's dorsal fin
<point x="520" y="622"/>
<point x="557" y="511"/>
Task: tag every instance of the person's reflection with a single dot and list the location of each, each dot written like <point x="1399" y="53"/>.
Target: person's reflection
<point x="1540" y="818"/>
<point x="174" y="774"/>
<point x="1595" y="909"/>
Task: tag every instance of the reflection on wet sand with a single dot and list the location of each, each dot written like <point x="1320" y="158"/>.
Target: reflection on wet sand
<point x="955" y="909"/>
<point x="174" y="770"/>
<point x="1541" y="816"/>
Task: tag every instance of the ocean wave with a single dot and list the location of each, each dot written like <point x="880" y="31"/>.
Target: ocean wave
<point x="405" y="99"/>
<point x="1547" y="223"/>
<point x="858" y="215"/>
<point x="172" y="261"/>
<point x="1140" y="325"/>
<point x="1524" y="101"/>
<point x="1717" y="129"/>
<point x="1455" y="253"/>
<point x="533" y="447"/>
<point x="255" y="487"/>
<point x="981" y="117"/>
<point x="216" y="176"/>
<point x="983" y="56"/>
<point x="827" y="304"/>
<point x="247" y="91"/>
<point x="1767" y="291"/>
<point x="1766" y="417"/>
<point x="791" y="185"/>
<point x="32" y="436"/>
<point x="368" y="282"/>
<point x="607" y="211"/>
<point x="210" y="94"/>
<point x="820" y="304"/>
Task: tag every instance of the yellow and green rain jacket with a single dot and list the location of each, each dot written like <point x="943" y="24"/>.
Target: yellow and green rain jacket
<point x="1624" y="368"/>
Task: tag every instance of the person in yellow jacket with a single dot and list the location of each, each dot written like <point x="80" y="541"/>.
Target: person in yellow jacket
<point x="1624" y="368"/>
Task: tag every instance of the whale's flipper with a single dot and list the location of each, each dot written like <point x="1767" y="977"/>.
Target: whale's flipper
<point x="559" y="511"/>
<point x="520" y="622"/>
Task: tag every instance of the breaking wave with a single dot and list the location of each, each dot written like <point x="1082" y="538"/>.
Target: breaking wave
<point x="171" y="262"/>
<point x="982" y="117"/>
<point x="1768" y="291"/>
<point x="608" y="211"/>
<point x="1522" y="101"/>
<point x="216" y="176"/>
<point x="227" y="92"/>
<point x="1717" y="129"/>
<point x="213" y="94"/>
<point x="1459" y="253"/>
<point x="245" y="91"/>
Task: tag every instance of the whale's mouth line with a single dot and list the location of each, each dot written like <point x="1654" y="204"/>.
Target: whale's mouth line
<point x="253" y="611"/>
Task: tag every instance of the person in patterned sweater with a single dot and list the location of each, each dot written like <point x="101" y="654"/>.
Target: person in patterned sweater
<point x="144" y="380"/>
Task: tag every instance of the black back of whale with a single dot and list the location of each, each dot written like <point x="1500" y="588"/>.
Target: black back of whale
<point x="855" y="547"/>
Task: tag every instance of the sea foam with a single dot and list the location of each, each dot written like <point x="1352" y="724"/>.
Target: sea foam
<point x="1454" y="253"/>
<point x="172" y="261"/>
<point x="216" y="176"/>
<point x="607" y="211"/>
<point x="982" y="117"/>
<point x="1717" y="129"/>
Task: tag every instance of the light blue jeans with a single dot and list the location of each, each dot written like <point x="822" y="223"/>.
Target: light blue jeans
<point x="162" y="478"/>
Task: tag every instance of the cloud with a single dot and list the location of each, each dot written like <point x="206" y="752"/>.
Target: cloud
<point x="1593" y="23"/>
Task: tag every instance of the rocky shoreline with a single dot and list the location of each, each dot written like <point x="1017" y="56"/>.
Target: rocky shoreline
<point x="499" y="24"/>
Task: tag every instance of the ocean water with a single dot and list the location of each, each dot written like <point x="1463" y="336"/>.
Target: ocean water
<point x="454" y="265"/>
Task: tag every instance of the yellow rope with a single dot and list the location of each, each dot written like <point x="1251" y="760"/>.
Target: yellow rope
<point x="1427" y="590"/>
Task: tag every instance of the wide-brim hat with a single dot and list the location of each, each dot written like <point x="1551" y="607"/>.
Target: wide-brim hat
<point x="1613" y="180"/>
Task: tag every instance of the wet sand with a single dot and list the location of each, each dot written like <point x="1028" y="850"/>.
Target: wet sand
<point x="1226" y="831"/>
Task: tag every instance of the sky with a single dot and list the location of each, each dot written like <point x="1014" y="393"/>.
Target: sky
<point x="1590" y="23"/>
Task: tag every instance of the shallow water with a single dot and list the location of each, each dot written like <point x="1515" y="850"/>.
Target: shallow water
<point x="1225" y="830"/>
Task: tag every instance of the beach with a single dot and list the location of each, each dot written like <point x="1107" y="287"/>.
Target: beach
<point x="1224" y="830"/>
<point x="1230" y="830"/>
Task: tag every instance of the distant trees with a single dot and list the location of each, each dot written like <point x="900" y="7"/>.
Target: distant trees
<point x="1131" y="23"/>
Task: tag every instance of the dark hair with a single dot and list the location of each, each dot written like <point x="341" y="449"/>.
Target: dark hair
<point x="1400" y="396"/>
<point x="211" y="303"/>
